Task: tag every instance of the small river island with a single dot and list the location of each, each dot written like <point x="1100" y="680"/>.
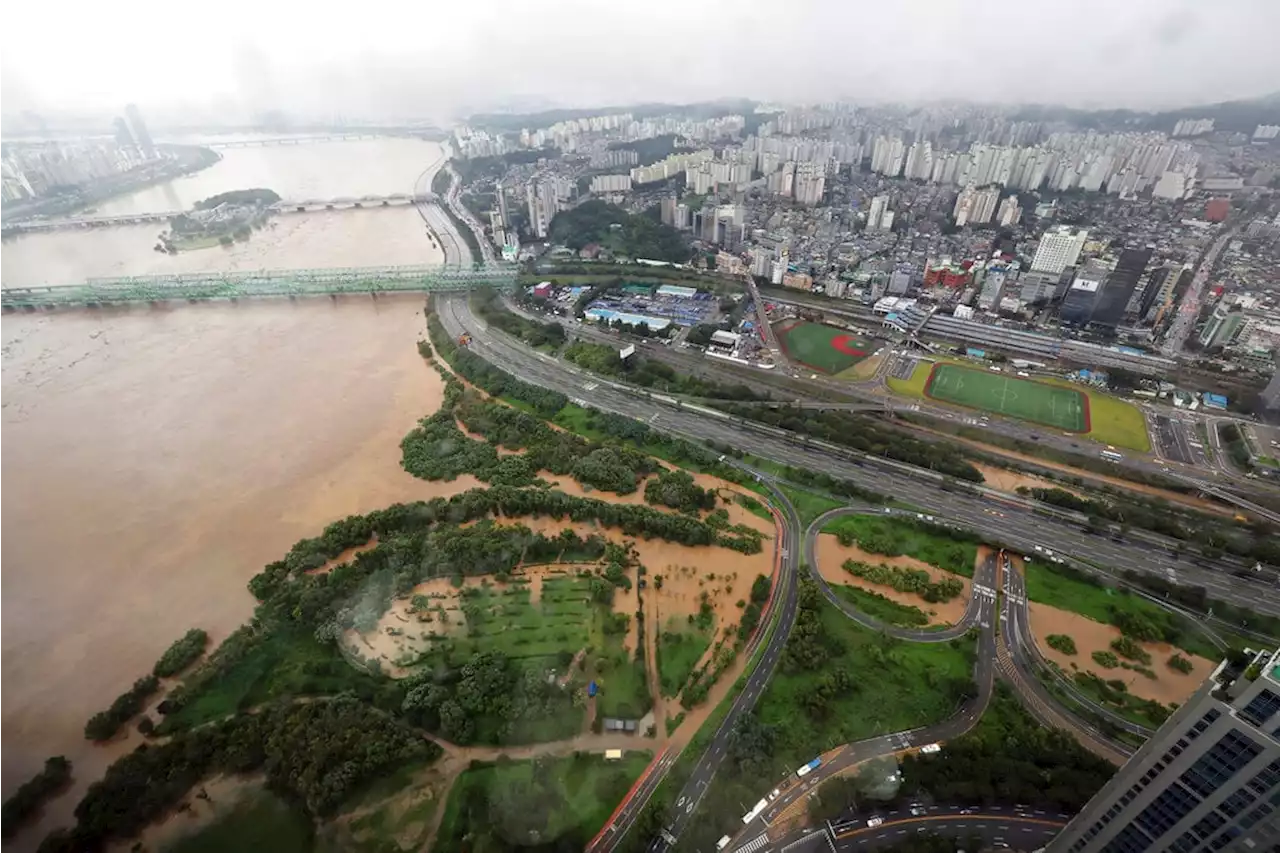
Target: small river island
<point x="221" y="220"/>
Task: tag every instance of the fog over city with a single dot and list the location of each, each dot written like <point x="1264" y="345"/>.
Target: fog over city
<point x="436" y="60"/>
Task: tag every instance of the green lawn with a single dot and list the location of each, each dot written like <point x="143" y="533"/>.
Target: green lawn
<point x="1057" y="587"/>
<point x="824" y="347"/>
<point x="877" y="606"/>
<point x="892" y="686"/>
<point x="809" y="505"/>
<point x="1054" y="406"/>
<point x="1113" y="421"/>
<point x="282" y="664"/>
<point x="503" y="618"/>
<point x="551" y="803"/>
<point x="624" y="691"/>
<point x="896" y="685"/>
<point x="892" y="536"/>
<point x="680" y="647"/>
<point x="261" y="821"/>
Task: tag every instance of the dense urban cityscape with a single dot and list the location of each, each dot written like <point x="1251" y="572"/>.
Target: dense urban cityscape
<point x="753" y="475"/>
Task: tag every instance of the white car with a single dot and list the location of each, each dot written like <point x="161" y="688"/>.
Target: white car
<point x="916" y="811"/>
<point x="874" y="822"/>
<point x="774" y="795"/>
<point x="930" y="748"/>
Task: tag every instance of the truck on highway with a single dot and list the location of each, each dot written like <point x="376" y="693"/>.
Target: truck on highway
<point x="755" y="812"/>
<point x="809" y="768"/>
<point x="723" y="842"/>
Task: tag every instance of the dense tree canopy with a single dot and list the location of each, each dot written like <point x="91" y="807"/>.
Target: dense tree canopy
<point x="627" y="234"/>
<point x="316" y="754"/>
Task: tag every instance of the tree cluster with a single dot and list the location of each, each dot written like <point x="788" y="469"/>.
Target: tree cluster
<point x="500" y="811"/>
<point x="901" y="579"/>
<point x="32" y="794"/>
<point x="630" y="235"/>
<point x="676" y="489"/>
<point x="104" y="724"/>
<point x="488" y="305"/>
<point x="863" y="434"/>
<point x="654" y="374"/>
<point x="1008" y="758"/>
<point x="489" y="699"/>
<point x="258" y="196"/>
<point x="184" y="652"/>
<point x="482" y="374"/>
<point x="1062" y="642"/>
<point x="315" y="754"/>
<point x="810" y="644"/>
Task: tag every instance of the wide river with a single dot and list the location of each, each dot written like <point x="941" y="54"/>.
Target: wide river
<point x="328" y="170"/>
<point x="155" y="458"/>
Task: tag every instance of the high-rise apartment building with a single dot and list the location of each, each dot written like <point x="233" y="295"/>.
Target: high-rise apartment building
<point x="1208" y="780"/>
<point x="543" y="197"/>
<point x="875" y="213"/>
<point x="1058" y="249"/>
<point x="1009" y="212"/>
<point x="984" y="205"/>
<point x="964" y="206"/>
<point x="810" y="182"/>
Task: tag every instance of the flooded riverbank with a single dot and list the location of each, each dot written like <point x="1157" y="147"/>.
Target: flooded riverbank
<point x="155" y="459"/>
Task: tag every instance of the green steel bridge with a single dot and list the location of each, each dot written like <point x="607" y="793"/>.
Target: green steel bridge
<point x="261" y="283"/>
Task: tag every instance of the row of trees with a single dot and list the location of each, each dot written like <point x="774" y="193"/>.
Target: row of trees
<point x="901" y="579"/>
<point x="488" y="305"/>
<point x="653" y="374"/>
<point x="1214" y="536"/>
<point x="185" y="651"/>
<point x="863" y="434"/>
<point x="31" y="795"/>
<point x="315" y="754"/>
<point x="482" y="374"/>
<point x="104" y="724"/>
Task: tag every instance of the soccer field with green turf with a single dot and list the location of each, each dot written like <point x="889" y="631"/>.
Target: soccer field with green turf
<point x="1051" y="405"/>
<point x="825" y="348"/>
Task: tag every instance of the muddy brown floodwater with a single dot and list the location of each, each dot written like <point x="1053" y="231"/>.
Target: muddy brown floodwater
<point x="154" y="460"/>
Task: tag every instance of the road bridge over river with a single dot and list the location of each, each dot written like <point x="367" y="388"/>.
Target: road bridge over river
<point x="261" y="283"/>
<point x="306" y="205"/>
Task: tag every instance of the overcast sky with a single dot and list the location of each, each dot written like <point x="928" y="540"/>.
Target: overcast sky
<point x="432" y="59"/>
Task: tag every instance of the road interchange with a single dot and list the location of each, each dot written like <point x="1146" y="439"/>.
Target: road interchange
<point x="1020" y="528"/>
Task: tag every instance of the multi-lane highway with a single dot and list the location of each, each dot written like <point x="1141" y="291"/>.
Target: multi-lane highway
<point x="799" y="384"/>
<point x="1018" y="526"/>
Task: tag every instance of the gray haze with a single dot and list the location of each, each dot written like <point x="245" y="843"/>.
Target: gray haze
<point x="379" y="59"/>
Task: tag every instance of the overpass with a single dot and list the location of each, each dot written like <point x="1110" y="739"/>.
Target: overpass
<point x="260" y="283"/>
<point x="285" y="206"/>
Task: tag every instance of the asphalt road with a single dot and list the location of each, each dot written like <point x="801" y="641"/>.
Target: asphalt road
<point x="1018" y="526"/>
<point x="709" y="762"/>
<point x="1016" y="829"/>
<point x="982" y="614"/>
<point x="978" y="612"/>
